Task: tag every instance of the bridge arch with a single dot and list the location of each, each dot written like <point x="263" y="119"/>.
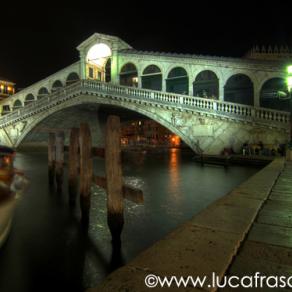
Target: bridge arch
<point x="206" y="85"/>
<point x="17" y="104"/>
<point x="72" y="78"/>
<point x="92" y="100"/>
<point x="129" y="75"/>
<point x="152" y="77"/>
<point x="29" y="98"/>
<point x="239" y="88"/>
<point x="274" y="94"/>
<point x="43" y="91"/>
<point x="56" y="85"/>
<point x="177" y="81"/>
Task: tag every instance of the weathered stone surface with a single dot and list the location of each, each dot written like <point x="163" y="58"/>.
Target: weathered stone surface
<point x="280" y="218"/>
<point x="272" y="253"/>
<point x="270" y="234"/>
<point x="227" y="218"/>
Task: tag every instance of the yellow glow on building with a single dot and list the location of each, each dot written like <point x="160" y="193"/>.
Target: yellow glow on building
<point x="7" y="88"/>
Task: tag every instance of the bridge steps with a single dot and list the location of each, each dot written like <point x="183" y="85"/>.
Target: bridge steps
<point x="207" y="243"/>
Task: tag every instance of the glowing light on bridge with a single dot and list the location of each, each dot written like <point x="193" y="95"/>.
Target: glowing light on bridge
<point x="98" y="54"/>
<point x="289" y="78"/>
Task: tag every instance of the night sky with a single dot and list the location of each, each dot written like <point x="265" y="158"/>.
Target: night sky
<point x="38" y="41"/>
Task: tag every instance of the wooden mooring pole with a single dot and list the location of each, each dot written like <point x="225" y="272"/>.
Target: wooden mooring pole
<point x="73" y="165"/>
<point x="51" y="158"/>
<point x="114" y="182"/>
<point x="60" y="137"/>
<point x="86" y="171"/>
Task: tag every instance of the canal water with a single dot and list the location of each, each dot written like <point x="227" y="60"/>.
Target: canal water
<point x="48" y="250"/>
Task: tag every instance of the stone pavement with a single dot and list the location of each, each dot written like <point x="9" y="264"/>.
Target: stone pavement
<point x="268" y="247"/>
<point x="211" y="240"/>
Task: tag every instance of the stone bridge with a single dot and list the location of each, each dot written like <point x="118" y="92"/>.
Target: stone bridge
<point x="202" y="123"/>
<point x="210" y="102"/>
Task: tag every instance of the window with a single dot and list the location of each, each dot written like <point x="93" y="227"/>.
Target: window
<point x="90" y="72"/>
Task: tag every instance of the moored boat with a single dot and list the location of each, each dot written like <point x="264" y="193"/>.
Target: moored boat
<point x="11" y="186"/>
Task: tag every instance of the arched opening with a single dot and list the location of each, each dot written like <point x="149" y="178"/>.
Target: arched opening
<point x="57" y="85"/>
<point x="72" y="78"/>
<point x="29" y="99"/>
<point x="271" y="93"/>
<point x="5" y="109"/>
<point x="129" y="75"/>
<point x="239" y="89"/>
<point x="17" y="104"/>
<point x="177" y="81"/>
<point x="206" y="85"/>
<point x="152" y="78"/>
<point x="42" y="92"/>
<point x="97" y="66"/>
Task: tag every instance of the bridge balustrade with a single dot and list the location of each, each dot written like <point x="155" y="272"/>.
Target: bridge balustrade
<point x="215" y="107"/>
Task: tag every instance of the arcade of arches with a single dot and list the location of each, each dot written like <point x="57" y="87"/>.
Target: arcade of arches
<point x="238" y="88"/>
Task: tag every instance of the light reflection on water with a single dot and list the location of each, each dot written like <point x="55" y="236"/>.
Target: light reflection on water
<point x="46" y="231"/>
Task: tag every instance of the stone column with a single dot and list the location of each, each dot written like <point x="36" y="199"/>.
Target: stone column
<point x="191" y="89"/>
<point x="221" y="90"/>
<point x="82" y="65"/>
<point x="114" y="67"/>
<point x="163" y="84"/>
<point x="256" y="95"/>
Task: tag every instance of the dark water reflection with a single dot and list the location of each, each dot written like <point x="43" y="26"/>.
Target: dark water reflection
<point x="49" y="251"/>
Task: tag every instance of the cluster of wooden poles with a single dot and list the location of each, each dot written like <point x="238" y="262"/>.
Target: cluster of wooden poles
<point x="80" y="171"/>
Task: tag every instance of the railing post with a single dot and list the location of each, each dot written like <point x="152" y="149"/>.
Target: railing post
<point x="215" y="106"/>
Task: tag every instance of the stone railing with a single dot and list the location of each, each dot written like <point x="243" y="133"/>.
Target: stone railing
<point x="131" y="94"/>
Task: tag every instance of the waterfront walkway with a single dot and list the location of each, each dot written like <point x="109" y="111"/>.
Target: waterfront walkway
<point x="249" y="230"/>
<point x="268" y="247"/>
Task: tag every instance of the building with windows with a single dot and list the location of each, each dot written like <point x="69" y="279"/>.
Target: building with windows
<point x="148" y="133"/>
<point x="7" y="88"/>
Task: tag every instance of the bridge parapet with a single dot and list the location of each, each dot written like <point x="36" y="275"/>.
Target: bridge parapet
<point x="220" y="109"/>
